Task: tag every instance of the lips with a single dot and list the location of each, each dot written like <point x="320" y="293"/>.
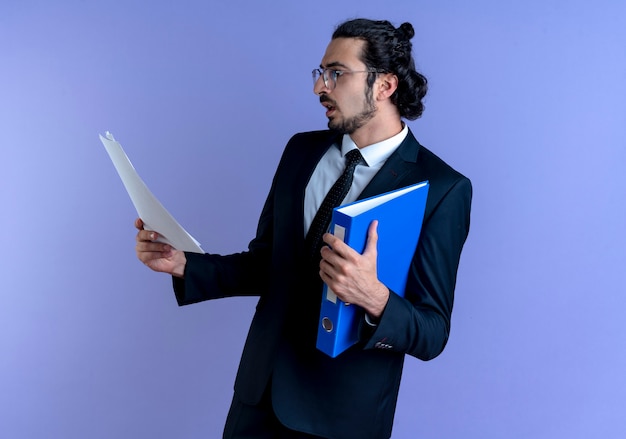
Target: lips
<point x="329" y="104"/>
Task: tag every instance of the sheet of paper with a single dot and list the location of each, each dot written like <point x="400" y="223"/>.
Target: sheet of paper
<point x="149" y="209"/>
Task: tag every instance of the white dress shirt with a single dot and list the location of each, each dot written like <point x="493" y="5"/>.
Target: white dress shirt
<point x="332" y="164"/>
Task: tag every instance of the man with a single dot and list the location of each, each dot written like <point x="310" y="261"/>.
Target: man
<point x="285" y="387"/>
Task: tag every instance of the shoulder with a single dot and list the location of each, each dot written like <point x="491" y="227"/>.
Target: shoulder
<point x="313" y="137"/>
<point x="436" y="165"/>
<point x="426" y="160"/>
<point x="446" y="183"/>
<point x="442" y="177"/>
<point x="306" y="145"/>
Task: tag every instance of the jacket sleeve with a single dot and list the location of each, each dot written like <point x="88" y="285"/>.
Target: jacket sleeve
<point x="418" y="324"/>
<point x="211" y="276"/>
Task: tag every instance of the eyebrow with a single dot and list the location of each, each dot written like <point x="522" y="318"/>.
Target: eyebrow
<point x="334" y="64"/>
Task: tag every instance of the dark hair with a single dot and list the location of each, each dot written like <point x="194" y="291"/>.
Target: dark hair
<point x="388" y="50"/>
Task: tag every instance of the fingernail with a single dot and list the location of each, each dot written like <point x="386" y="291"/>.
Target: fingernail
<point x="152" y="235"/>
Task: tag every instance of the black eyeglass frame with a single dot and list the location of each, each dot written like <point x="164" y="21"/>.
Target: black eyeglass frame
<point x="329" y="76"/>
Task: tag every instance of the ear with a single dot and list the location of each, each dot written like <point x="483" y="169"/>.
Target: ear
<point x="387" y="85"/>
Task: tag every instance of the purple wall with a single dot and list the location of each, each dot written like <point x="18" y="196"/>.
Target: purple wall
<point x="528" y="101"/>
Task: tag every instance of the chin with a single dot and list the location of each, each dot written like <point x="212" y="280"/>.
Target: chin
<point x="339" y="127"/>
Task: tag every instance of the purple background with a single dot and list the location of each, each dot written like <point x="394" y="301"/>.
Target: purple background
<point x="526" y="98"/>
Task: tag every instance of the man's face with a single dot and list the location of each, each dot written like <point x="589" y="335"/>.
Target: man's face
<point x="349" y="104"/>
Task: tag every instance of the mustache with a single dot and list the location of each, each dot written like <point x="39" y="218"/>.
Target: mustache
<point x="324" y="98"/>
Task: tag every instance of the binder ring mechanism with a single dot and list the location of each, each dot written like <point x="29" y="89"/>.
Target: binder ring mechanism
<point x="327" y="324"/>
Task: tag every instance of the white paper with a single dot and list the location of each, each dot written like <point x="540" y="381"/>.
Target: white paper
<point x="150" y="210"/>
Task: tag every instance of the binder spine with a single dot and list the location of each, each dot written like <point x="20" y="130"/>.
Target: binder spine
<point x="337" y="328"/>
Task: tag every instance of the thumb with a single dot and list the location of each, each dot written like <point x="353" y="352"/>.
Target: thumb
<point x="372" y="239"/>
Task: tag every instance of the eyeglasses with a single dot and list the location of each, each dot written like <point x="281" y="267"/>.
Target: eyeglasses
<point x="330" y="76"/>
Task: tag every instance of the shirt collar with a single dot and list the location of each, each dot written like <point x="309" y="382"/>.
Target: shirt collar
<point x="376" y="153"/>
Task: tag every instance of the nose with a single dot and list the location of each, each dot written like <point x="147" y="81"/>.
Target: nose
<point x="320" y="87"/>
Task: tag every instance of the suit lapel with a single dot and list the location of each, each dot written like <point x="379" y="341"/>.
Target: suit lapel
<point x="312" y="153"/>
<point x="398" y="166"/>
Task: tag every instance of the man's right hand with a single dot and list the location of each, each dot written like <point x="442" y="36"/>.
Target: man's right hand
<point x="156" y="255"/>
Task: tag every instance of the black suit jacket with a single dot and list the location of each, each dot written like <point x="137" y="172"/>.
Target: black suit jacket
<point x="353" y="395"/>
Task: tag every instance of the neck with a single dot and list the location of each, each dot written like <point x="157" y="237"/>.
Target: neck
<point x="376" y="131"/>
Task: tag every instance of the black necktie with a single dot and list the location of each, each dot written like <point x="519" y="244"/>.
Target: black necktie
<point x="335" y="196"/>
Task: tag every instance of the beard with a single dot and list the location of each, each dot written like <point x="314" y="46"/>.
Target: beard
<point x="351" y="124"/>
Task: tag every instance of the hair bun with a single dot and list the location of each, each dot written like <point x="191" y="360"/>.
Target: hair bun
<point x="406" y="29"/>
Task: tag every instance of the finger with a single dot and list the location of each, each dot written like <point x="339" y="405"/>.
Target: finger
<point x="372" y="239"/>
<point x="147" y="251"/>
<point x="327" y="255"/>
<point x="337" y="245"/>
<point x="152" y="246"/>
<point x="330" y="280"/>
<point x="324" y="276"/>
<point x="146" y="256"/>
<point x="147" y="235"/>
<point x="327" y="268"/>
<point x="139" y="224"/>
<point x="332" y="263"/>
